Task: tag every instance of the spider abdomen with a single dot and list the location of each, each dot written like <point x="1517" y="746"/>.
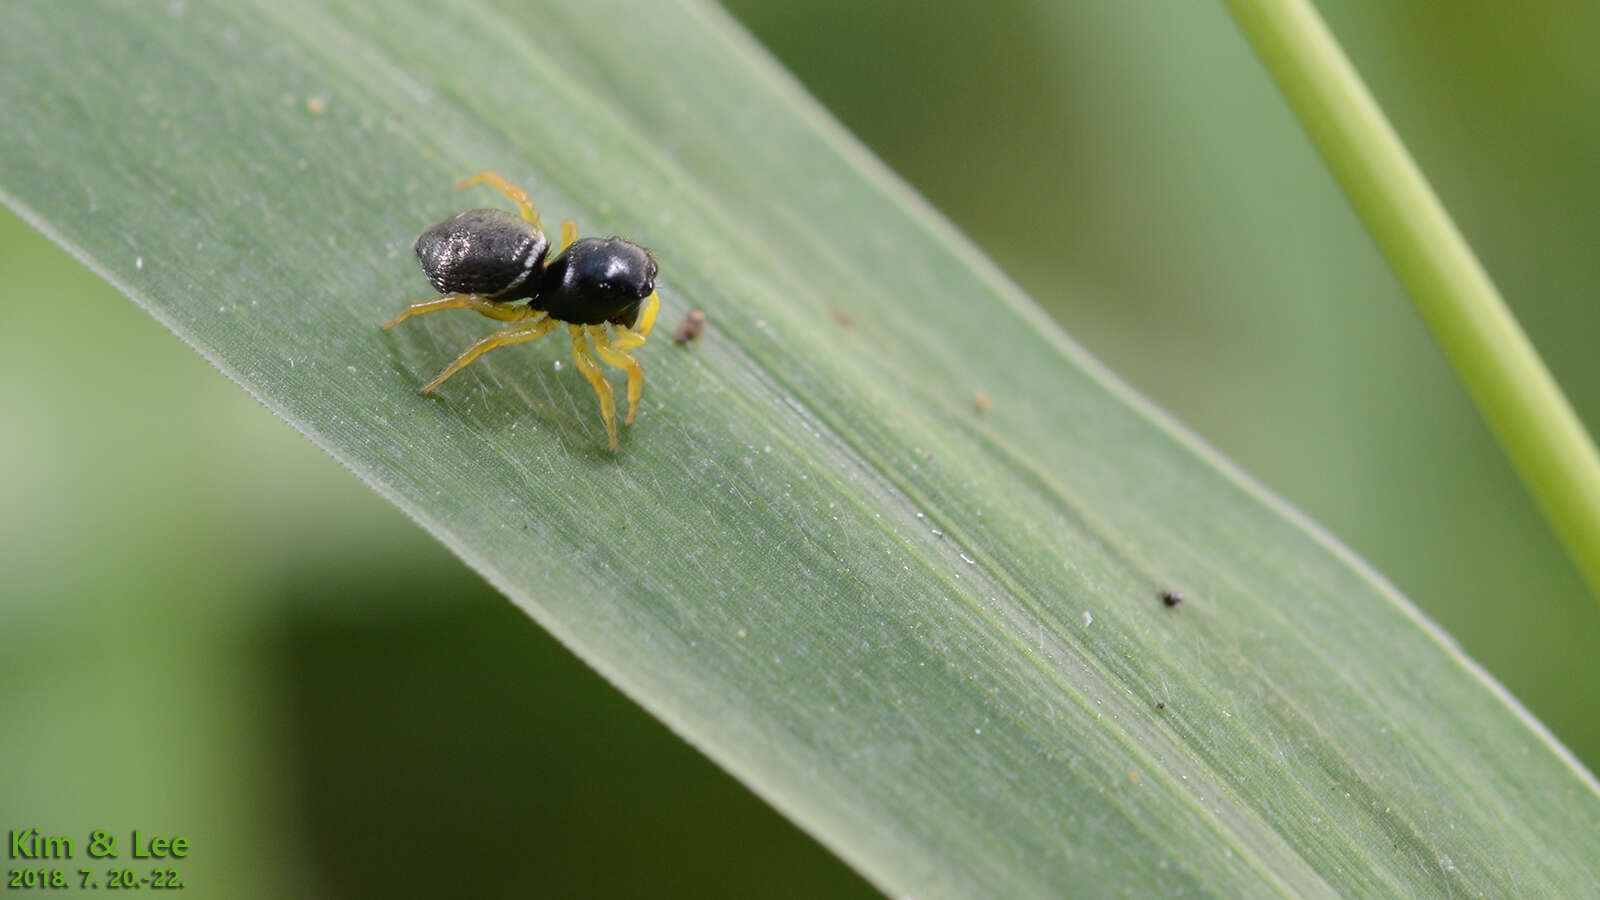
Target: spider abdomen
<point x="489" y="252"/>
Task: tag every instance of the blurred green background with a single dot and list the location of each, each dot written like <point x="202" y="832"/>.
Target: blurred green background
<point x="208" y="628"/>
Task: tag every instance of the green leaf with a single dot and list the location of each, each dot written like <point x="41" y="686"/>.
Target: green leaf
<point x="929" y="634"/>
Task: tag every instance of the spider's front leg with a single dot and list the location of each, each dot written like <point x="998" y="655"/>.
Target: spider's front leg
<point x="597" y="380"/>
<point x="622" y="360"/>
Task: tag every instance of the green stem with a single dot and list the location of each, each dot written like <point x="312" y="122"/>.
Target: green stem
<point x="1514" y="391"/>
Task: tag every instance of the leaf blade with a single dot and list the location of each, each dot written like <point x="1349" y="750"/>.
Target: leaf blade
<point x="929" y="635"/>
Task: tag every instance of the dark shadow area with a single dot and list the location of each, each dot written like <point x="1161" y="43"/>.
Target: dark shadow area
<point x="459" y="751"/>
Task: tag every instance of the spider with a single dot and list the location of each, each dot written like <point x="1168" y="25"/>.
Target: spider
<point x="491" y="261"/>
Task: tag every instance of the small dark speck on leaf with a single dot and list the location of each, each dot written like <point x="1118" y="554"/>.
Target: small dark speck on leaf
<point x="1171" y="598"/>
<point x="1161" y="704"/>
<point x="692" y="326"/>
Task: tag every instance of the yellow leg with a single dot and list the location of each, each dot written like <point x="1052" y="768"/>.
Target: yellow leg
<point x="597" y="380"/>
<point x="615" y="356"/>
<point x="569" y="233"/>
<point x="518" y="195"/>
<point x="502" y="311"/>
<point x="505" y="337"/>
<point x="423" y="307"/>
<point x="625" y="339"/>
<point x="646" y="320"/>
